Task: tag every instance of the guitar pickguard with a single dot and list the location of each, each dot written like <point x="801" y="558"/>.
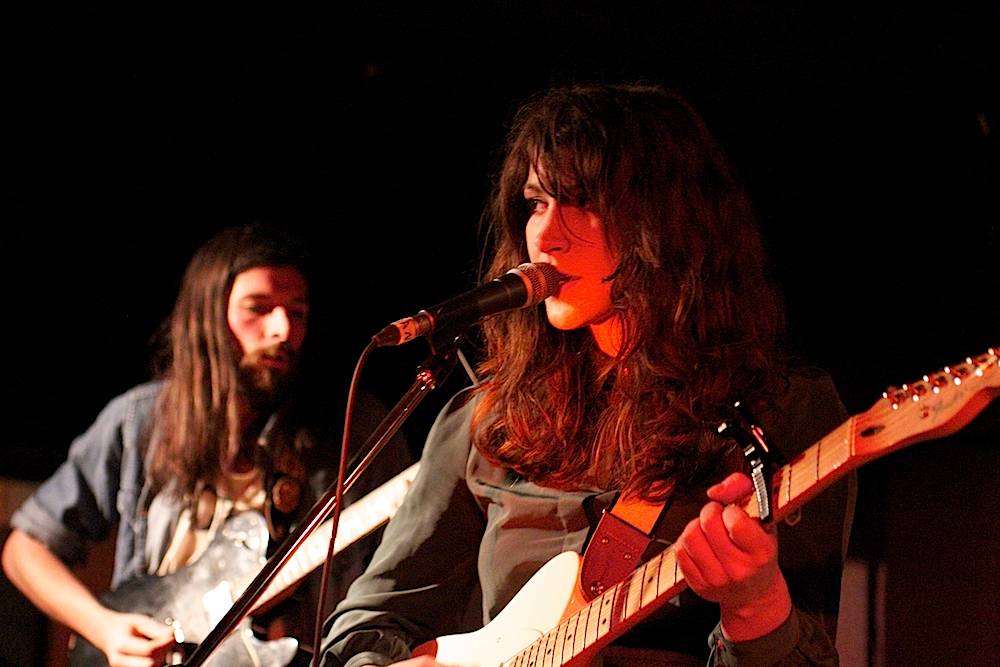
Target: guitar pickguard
<point x="194" y="598"/>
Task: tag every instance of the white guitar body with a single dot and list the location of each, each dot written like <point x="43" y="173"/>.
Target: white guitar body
<point x="537" y="608"/>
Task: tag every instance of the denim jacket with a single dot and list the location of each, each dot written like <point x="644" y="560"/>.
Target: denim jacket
<point x="101" y="485"/>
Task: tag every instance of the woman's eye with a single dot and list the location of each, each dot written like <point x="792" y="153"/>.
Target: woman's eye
<point x="534" y="204"/>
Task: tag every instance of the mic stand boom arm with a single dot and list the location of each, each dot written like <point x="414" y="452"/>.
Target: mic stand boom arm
<point x="430" y="375"/>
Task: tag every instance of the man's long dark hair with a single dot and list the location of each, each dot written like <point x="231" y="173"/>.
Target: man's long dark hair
<point x="703" y="319"/>
<point x="197" y="427"/>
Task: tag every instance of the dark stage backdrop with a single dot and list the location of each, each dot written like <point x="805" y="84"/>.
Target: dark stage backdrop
<point x="867" y="136"/>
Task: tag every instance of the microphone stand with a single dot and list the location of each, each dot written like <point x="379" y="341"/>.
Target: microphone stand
<point x="430" y="375"/>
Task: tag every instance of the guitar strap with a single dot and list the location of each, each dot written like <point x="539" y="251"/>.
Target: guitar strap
<point x="615" y="549"/>
<point x="285" y="476"/>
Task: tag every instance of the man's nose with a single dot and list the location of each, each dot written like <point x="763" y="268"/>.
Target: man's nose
<point x="278" y="325"/>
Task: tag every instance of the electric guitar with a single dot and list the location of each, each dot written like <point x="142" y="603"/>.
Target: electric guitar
<point x="550" y="623"/>
<point x="193" y="599"/>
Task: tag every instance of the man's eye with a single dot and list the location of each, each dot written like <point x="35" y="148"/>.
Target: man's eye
<point x="259" y="309"/>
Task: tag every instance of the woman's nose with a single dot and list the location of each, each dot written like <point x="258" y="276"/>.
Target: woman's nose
<point x="551" y="232"/>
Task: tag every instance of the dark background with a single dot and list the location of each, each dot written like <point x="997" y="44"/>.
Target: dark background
<point x="867" y="136"/>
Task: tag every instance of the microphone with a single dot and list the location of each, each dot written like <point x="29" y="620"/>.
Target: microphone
<point x="526" y="285"/>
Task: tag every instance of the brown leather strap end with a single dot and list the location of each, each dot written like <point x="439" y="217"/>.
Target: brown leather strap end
<point x="613" y="552"/>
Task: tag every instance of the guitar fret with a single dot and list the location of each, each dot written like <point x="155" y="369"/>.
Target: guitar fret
<point x="580" y="636"/>
<point x="593" y="619"/>
<point x="618" y="613"/>
<point x="802" y="472"/>
<point x="317" y="543"/>
<point x="543" y="653"/>
<point x="815" y="464"/>
<point x="632" y="596"/>
<point x="607" y="605"/>
<point x="668" y="574"/>
<point x="360" y="520"/>
<point x="649" y="583"/>
<point x="560" y="646"/>
<point x="546" y="645"/>
<point x="819" y="454"/>
<point x="533" y="655"/>
<point x="839" y="450"/>
<point x="786" y="478"/>
<point x="550" y="648"/>
<point x="569" y="632"/>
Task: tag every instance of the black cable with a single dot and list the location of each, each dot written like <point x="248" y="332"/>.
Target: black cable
<point x="341" y="475"/>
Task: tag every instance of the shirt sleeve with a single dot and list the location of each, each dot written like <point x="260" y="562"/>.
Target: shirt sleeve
<point x="428" y="554"/>
<point x="801" y="640"/>
<point x="78" y="503"/>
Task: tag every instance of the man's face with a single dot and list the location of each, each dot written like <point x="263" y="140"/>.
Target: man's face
<point x="267" y="313"/>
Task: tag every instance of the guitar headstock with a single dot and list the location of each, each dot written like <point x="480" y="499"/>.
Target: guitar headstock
<point x="934" y="406"/>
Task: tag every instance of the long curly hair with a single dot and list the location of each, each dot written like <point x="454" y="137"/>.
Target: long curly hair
<point x="197" y="426"/>
<point x="703" y="318"/>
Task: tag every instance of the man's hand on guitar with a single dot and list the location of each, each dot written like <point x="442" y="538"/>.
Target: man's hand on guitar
<point x="134" y="640"/>
<point x="127" y="640"/>
<point x="728" y="557"/>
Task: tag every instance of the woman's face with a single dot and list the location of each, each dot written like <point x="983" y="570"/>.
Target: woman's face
<point x="571" y="239"/>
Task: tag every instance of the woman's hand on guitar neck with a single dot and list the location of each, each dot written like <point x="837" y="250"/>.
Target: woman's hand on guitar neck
<point x="422" y="661"/>
<point x="730" y="558"/>
<point x="132" y="640"/>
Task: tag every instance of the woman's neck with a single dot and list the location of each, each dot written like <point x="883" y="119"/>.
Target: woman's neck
<point x="608" y="334"/>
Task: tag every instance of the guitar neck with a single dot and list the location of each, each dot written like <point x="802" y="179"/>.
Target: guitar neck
<point x="932" y="407"/>
<point x="812" y="471"/>
<point x="356" y="521"/>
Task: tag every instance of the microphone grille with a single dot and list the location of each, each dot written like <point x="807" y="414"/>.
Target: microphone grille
<point x="543" y="280"/>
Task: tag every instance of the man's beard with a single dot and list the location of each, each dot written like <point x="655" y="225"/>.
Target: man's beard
<point x="264" y="385"/>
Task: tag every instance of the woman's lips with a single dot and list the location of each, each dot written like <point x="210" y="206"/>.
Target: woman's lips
<point x="567" y="279"/>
